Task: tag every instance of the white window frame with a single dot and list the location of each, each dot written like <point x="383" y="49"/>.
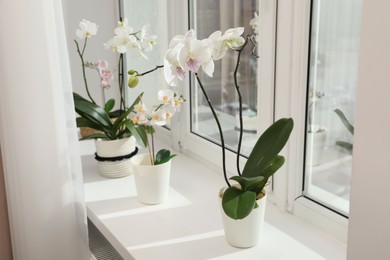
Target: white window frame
<point x="291" y="84"/>
<point x="285" y="74"/>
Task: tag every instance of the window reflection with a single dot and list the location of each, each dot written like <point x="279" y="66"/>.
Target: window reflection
<point x="333" y="67"/>
<point x="207" y="17"/>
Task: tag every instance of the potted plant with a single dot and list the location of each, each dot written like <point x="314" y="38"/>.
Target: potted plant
<point x="316" y="134"/>
<point x="116" y="132"/>
<point x="240" y="201"/>
<point x="347" y="146"/>
<point x="152" y="170"/>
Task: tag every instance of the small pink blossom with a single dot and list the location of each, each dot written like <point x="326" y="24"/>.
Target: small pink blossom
<point x="101" y="65"/>
<point x="106" y="78"/>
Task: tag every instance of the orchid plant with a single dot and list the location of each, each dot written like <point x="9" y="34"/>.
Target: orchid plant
<point x="187" y="53"/>
<point x="137" y="119"/>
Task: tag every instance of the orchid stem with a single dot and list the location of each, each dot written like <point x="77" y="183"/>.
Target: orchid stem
<point x="240" y="106"/>
<point x="150" y="71"/>
<point x="240" y="100"/>
<point x="120" y="82"/>
<point x="219" y="129"/>
<point x="81" y="55"/>
<point x="150" y="151"/>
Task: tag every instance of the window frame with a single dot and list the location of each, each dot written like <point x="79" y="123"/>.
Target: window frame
<point x="285" y="96"/>
<point x="291" y="78"/>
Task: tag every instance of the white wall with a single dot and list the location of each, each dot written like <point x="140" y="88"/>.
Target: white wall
<point x="106" y="15"/>
<point x="369" y="224"/>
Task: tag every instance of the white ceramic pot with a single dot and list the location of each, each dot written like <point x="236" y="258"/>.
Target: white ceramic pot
<point x="115" y="168"/>
<point x="246" y="232"/>
<point x="315" y="147"/>
<point x="151" y="181"/>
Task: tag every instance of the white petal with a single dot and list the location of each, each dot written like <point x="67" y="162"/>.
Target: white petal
<point x="208" y="67"/>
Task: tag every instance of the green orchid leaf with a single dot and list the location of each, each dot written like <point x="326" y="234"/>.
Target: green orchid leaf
<point x="345" y="121"/>
<point x="270" y="143"/>
<point x="120" y="120"/>
<point x="137" y="131"/>
<point x="116" y="113"/>
<point x="163" y="156"/>
<point x="83" y="122"/>
<point x="238" y="204"/>
<point x="91" y="111"/>
<point x="273" y="166"/>
<point x="248" y="183"/>
<point x="109" y="105"/>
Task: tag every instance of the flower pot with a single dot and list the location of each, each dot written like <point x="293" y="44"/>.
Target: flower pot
<point x="151" y="181"/>
<point x="113" y="156"/>
<point x="246" y="232"/>
<point x="315" y="146"/>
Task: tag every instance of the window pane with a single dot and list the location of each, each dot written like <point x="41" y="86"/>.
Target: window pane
<point x="154" y="14"/>
<point x="333" y="68"/>
<point x="209" y="16"/>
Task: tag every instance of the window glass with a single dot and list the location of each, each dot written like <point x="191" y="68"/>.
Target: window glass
<point x="333" y="71"/>
<point x="208" y="16"/>
<point x="153" y="14"/>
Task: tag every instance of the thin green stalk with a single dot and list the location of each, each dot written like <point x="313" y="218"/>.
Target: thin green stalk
<point x="149" y="149"/>
<point x="219" y="129"/>
<point x="153" y="154"/>
<point x="81" y="55"/>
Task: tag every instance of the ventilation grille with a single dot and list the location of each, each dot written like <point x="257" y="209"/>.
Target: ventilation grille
<point x="99" y="245"/>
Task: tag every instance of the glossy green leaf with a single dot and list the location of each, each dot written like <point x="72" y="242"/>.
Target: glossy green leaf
<point x="270" y="143"/>
<point x="248" y="183"/>
<point x="120" y="120"/>
<point x="91" y="111"/>
<point x="163" y="156"/>
<point x="137" y="131"/>
<point x="238" y="204"/>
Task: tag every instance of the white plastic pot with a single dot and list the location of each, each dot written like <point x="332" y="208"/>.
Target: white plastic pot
<point x="246" y="232"/>
<point x="151" y="181"/>
<point x="315" y="146"/>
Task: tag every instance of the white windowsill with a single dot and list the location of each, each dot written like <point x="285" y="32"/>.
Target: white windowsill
<point x="188" y="225"/>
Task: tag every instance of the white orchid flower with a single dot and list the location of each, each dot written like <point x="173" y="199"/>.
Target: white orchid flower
<point x="196" y="53"/>
<point x="140" y="119"/>
<point x="140" y="108"/>
<point x="165" y="96"/>
<point x="169" y="111"/>
<point x="123" y="29"/>
<point x="231" y="39"/>
<point x="87" y="29"/>
<point x="179" y="39"/>
<point x="178" y="101"/>
<point x="173" y="72"/>
<point x="147" y="41"/>
<point x="158" y="117"/>
<point x="122" y="43"/>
